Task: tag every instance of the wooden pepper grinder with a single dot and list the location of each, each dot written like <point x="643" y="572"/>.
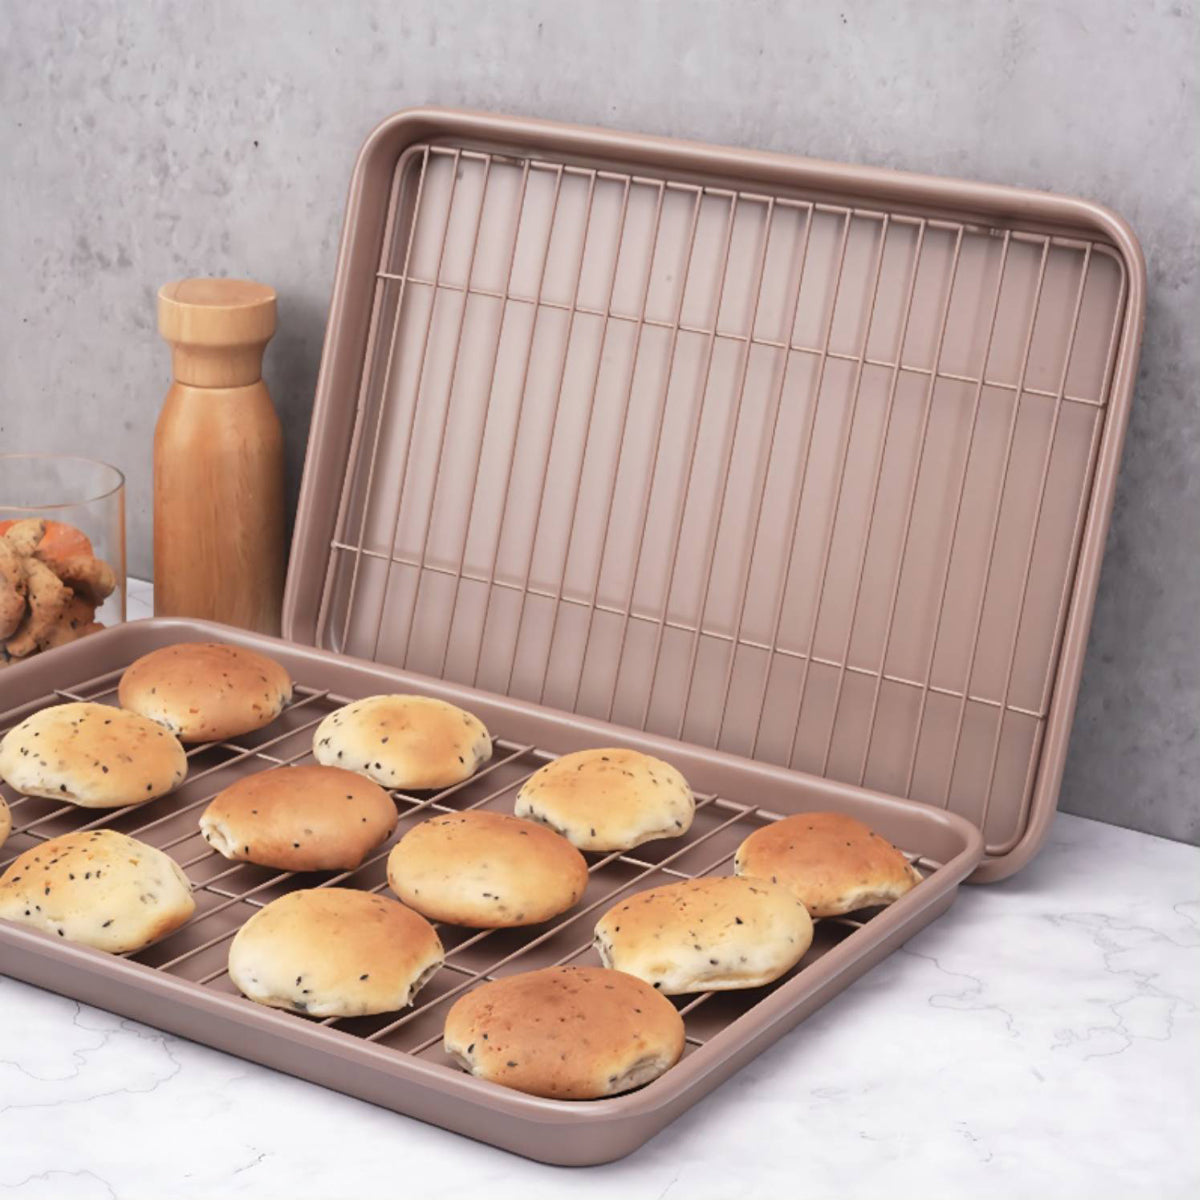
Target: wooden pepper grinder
<point x="218" y="459"/>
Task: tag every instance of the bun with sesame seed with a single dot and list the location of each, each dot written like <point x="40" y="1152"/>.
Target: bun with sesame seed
<point x="206" y="691"/>
<point x="608" y="799"/>
<point x="100" y="889"/>
<point x="567" y="1033"/>
<point x="413" y="743"/>
<point x="308" y="818"/>
<point x="93" y="755"/>
<point x="712" y="934"/>
<point x="833" y="863"/>
<point x="334" y="952"/>
<point x="486" y="870"/>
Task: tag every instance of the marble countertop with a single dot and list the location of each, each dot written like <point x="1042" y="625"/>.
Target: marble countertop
<point x="1041" y="1038"/>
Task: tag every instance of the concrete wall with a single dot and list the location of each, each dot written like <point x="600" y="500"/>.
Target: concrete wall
<point x="141" y="142"/>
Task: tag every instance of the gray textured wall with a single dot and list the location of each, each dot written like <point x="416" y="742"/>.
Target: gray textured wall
<point x="141" y="142"/>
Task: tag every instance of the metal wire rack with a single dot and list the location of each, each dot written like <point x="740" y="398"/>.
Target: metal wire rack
<point x="798" y="479"/>
<point x="228" y="893"/>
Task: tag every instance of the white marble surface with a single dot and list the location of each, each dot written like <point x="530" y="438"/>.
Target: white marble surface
<point x="1042" y="1038"/>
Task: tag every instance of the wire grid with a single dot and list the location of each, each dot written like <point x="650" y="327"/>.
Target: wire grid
<point x="228" y="893"/>
<point x="708" y="635"/>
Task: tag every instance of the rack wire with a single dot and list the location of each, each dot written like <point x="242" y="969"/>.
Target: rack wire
<point x="227" y="893"/>
<point x="801" y="480"/>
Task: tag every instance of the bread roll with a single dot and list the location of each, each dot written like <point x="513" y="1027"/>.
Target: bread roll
<point x="833" y="863"/>
<point x="99" y="888"/>
<point x="706" y="935"/>
<point x="334" y="952"/>
<point x="93" y="755"/>
<point x="414" y="743"/>
<point x="308" y="818"/>
<point x="567" y="1033"/>
<point x="608" y="799"/>
<point x="486" y="870"/>
<point x="206" y="691"/>
<point x="5" y="821"/>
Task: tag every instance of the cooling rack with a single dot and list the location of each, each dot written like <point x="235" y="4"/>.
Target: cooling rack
<point x="803" y="462"/>
<point x="193" y="959"/>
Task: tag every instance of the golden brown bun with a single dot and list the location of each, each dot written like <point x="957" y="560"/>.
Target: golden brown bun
<point x="334" y="952"/>
<point x="608" y="799"/>
<point x="101" y="889"/>
<point x="486" y="870"/>
<point x="206" y="691"/>
<point x="5" y="821"/>
<point x="409" y="742"/>
<point x="706" y="935"/>
<point x="567" y="1033"/>
<point x="94" y="755"/>
<point x="307" y="818"/>
<point x="831" y="862"/>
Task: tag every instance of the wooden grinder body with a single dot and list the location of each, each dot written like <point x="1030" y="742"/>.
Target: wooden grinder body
<point x="218" y="459"/>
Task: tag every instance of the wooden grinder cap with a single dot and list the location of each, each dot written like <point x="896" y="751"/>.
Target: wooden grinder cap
<point x="217" y="328"/>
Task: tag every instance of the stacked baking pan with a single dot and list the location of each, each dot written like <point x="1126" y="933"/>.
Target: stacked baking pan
<point x="796" y="475"/>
